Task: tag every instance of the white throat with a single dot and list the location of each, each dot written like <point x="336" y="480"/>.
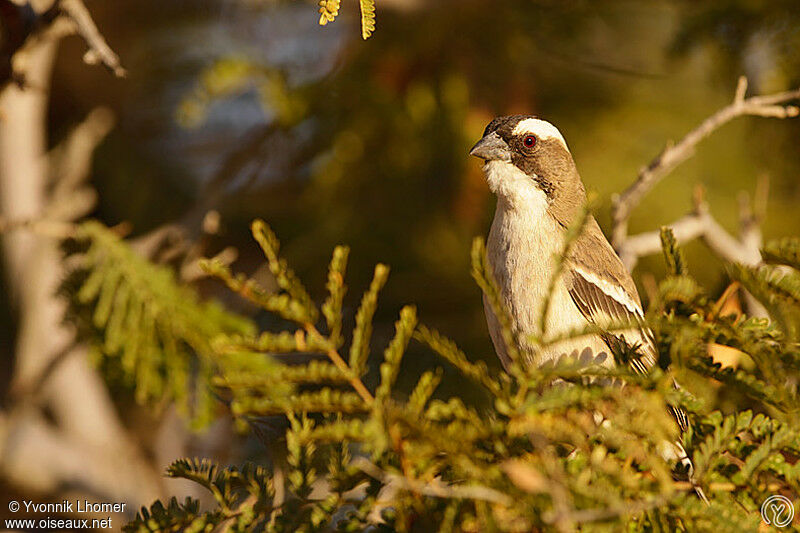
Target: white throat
<point x="514" y="189"/>
<point x="522" y="246"/>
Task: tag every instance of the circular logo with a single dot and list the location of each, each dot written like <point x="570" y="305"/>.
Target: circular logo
<point x="777" y="511"/>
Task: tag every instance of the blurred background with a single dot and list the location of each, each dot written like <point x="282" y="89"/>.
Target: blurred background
<point x="249" y="108"/>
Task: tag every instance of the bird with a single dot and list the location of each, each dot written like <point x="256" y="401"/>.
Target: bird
<point x="540" y="194"/>
<point x="530" y="169"/>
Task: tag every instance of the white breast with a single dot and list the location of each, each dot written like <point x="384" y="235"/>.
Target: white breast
<point x="523" y="245"/>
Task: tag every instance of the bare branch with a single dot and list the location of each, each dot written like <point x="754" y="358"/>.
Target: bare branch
<point x="40" y="226"/>
<point x="699" y="223"/>
<point x="675" y="154"/>
<point x="69" y="165"/>
<point x="685" y="229"/>
<point x="71" y="160"/>
<point x="38" y="457"/>
<point x="99" y="51"/>
<point x="433" y="488"/>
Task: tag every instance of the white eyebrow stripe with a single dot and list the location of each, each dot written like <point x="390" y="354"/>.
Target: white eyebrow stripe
<point x="541" y="129"/>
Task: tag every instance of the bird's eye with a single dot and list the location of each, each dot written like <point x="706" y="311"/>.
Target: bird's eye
<point x="529" y="141"/>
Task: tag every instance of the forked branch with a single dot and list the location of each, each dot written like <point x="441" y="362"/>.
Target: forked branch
<point x="99" y="51"/>
<point x="700" y="223"/>
<point x="675" y="154"/>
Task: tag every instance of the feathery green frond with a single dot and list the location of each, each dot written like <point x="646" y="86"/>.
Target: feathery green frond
<point x="328" y="11"/>
<point x="574" y="231"/>
<point x="778" y="290"/>
<point x="362" y="334"/>
<point x="481" y="273"/>
<point x="176" y="516"/>
<point x="332" y="308"/>
<point x="673" y="256"/>
<point x="325" y="400"/>
<point x="244" y="497"/>
<point x="448" y="350"/>
<point x="390" y="367"/>
<point x="367" y="18"/>
<point x="281" y="304"/>
<point x="154" y="331"/>
<point x="426" y="385"/>
<point x="784" y="251"/>
<point x="301" y="450"/>
<point x="284" y="276"/>
<point x="268" y="342"/>
<point x="564" y="448"/>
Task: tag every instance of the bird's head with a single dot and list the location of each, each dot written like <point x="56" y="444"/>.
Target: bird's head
<point x="525" y="157"/>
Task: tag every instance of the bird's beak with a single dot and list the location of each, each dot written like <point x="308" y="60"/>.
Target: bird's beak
<point x="491" y="148"/>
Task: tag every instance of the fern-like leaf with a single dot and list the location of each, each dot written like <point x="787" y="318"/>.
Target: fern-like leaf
<point x="332" y="308"/>
<point x="367" y="18"/>
<point x="784" y="251"/>
<point x="153" y="330"/>
<point x="362" y="333"/>
<point x="328" y="11"/>
<point x="176" y="516"/>
<point x="390" y="367"/>
<point x="673" y="255"/>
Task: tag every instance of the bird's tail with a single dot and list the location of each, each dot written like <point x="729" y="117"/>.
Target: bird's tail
<point x="684" y="468"/>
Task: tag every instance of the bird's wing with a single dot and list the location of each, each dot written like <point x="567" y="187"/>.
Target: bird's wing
<point x="604" y="292"/>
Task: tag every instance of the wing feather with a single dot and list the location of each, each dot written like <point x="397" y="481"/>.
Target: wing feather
<point x="604" y="293"/>
<point x="602" y="305"/>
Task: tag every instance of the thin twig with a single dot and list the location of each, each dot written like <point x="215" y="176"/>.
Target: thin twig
<point x="604" y="513"/>
<point x="675" y="154"/>
<point x="337" y="360"/>
<point x="726" y="486"/>
<point x="71" y="160"/>
<point x="433" y="488"/>
<point x="99" y="51"/>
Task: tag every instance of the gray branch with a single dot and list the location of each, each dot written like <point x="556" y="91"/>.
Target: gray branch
<point x="675" y="154"/>
<point x="99" y="51"/>
<point x="701" y="224"/>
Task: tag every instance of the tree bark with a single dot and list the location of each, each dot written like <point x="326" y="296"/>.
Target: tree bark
<point x="87" y="447"/>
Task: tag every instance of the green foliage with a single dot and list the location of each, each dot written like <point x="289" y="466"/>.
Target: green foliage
<point x="367" y="17"/>
<point x="329" y="10"/>
<point x="448" y="350"/>
<point x="151" y="331"/>
<point x="175" y="516"/>
<point x="332" y="308"/>
<point x="394" y="353"/>
<point x="243" y="496"/>
<point x="359" y="349"/>
<point x="778" y="289"/>
<point x="784" y="251"/>
<point x="676" y="264"/>
<point x="539" y="456"/>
